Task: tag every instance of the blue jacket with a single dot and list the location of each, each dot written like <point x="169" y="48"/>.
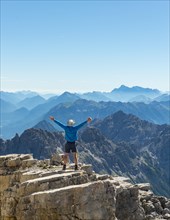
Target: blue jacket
<point x="70" y="131"/>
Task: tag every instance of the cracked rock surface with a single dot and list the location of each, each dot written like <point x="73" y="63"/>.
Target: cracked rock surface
<point x="39" y="190"/>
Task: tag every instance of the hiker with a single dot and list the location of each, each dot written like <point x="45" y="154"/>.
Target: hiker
<point x="71" y="138"/>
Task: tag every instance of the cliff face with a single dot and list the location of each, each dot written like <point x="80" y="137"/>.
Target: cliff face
<point x="130" y="146"/>
<point x="40" y="190"/>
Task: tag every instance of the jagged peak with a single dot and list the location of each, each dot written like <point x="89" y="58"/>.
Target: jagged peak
<point x="124" y="88"/>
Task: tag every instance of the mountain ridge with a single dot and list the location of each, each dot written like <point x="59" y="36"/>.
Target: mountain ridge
<point x="141" y="154"/>
<point x="96" y="104"/>
<point x="91" y="94"/>
<point x="156" y="112"/>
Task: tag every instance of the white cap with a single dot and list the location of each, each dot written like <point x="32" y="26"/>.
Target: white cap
<point x="70" y="122"/>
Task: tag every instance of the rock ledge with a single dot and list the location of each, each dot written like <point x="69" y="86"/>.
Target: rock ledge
<point x="40" y="190"/>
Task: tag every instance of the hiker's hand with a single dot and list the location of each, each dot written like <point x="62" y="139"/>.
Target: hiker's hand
<point x="89" y="119"/>
<point x="52" y="118"/>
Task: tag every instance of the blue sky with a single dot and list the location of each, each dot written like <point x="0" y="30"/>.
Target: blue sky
<point x="79" y="46"/>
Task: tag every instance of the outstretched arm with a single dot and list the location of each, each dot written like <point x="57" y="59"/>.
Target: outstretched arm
<point x="83" y="123"/>
<point x="57" y="122"/>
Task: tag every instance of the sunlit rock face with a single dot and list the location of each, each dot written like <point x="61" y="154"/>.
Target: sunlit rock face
<point x="40" y="190"/>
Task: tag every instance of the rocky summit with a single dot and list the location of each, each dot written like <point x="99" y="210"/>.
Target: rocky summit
<point x="40" y="190"/>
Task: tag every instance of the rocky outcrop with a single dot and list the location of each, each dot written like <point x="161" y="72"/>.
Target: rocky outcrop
<point x="120" y="143"/>
<point x="38" y="142"/>
<point x="40" y="190"/>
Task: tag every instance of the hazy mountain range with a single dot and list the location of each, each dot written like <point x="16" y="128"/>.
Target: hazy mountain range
<point x="23" y="110"/>
<point x="129" y="134"/>
<point x="123" y="93"/>
<point x="119" y="144"/>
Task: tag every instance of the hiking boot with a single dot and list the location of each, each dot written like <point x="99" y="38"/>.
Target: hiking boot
<point x="76" y="167"/>
<point x="64" y="167"/>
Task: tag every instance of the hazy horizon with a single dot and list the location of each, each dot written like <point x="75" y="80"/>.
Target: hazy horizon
<point x="59" y="93"/>
<point x="84" y="46"/>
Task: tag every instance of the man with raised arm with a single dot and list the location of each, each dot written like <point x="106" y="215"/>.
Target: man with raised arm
<point x="71" y="138"/>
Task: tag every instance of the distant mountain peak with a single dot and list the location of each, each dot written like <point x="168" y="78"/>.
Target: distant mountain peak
<point x="123" y="86"/>
<point x="66" y="93"/>
<point x="119" y="116"/>
<point x="135" y="88"/>
<point x="25" y="92"/>
<point x="44" y="125"/>
<point x="120" y="112"/>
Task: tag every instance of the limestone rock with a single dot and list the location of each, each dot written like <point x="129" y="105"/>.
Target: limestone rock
<point x="85" y="201"/>
<point x="87" y="168"/>
<point x="56" y="159"/>
<point x="38" y="190"/>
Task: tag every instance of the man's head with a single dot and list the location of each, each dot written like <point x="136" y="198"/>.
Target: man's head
<point x="70" y="122"/>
